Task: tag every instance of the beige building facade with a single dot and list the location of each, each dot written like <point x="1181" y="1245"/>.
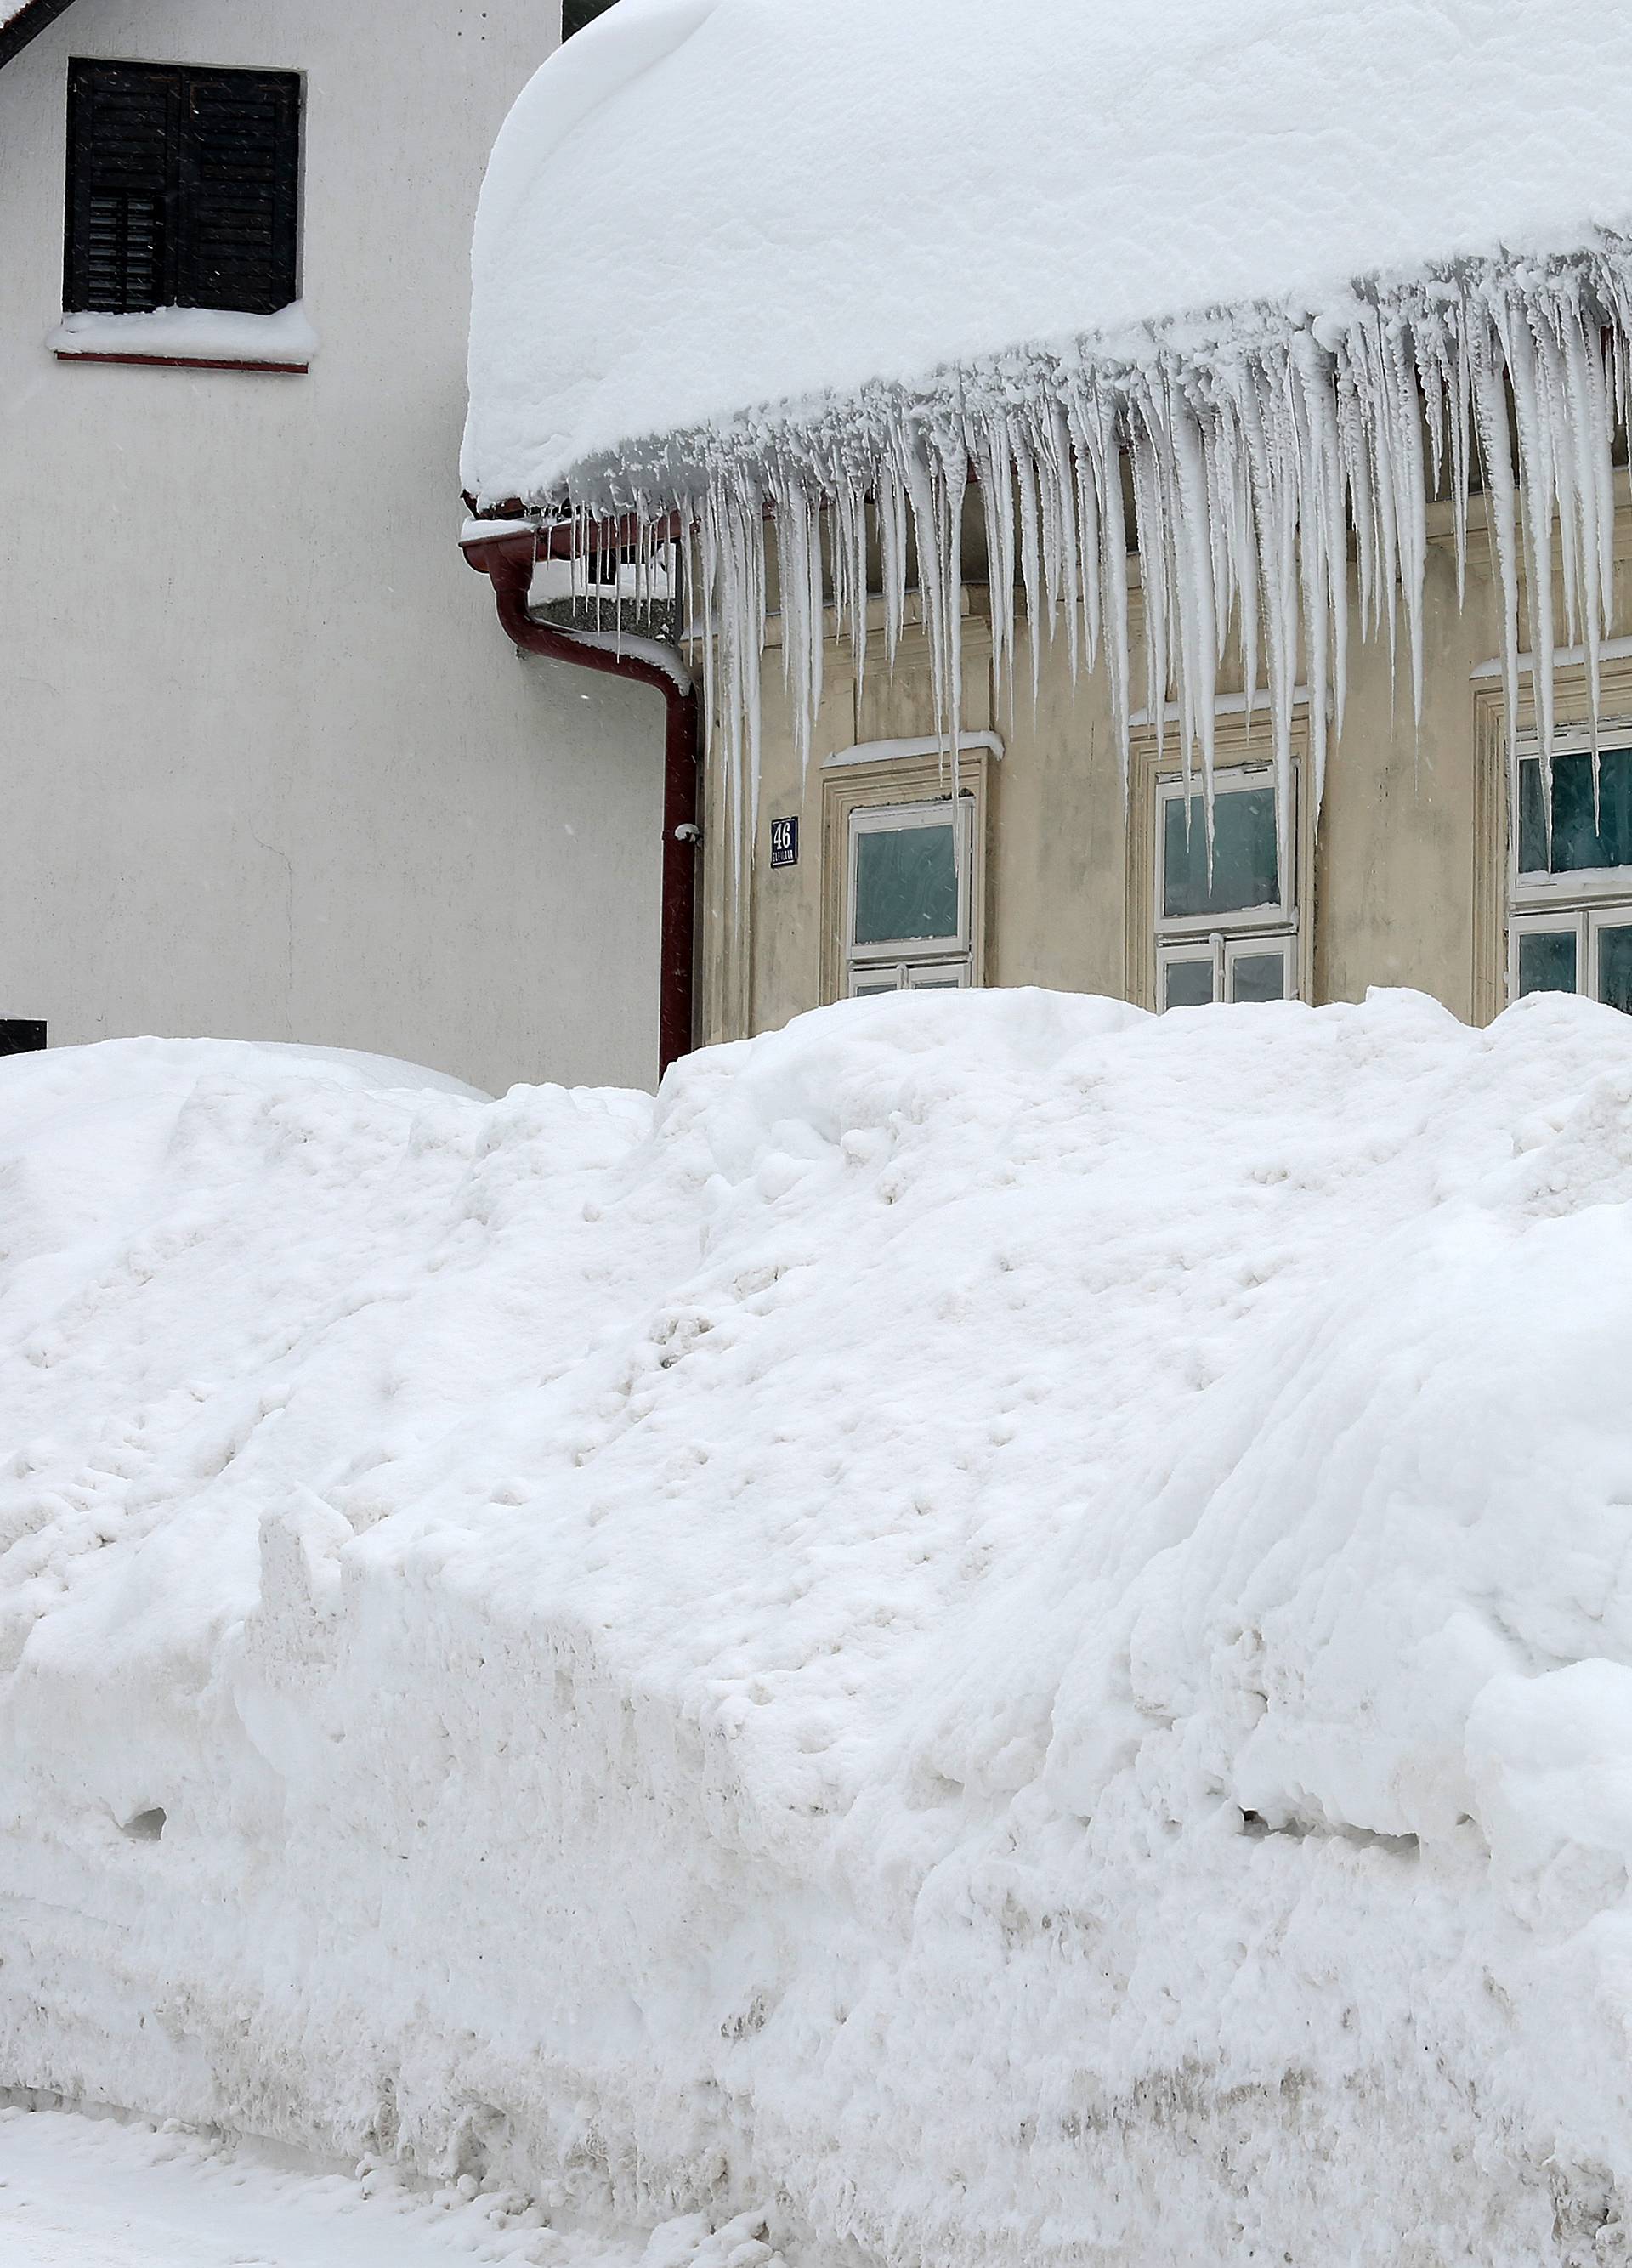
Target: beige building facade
<point x="1427" y="863"/>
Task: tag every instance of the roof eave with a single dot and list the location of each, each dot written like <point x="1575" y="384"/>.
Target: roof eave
<point x="27" y="24"/>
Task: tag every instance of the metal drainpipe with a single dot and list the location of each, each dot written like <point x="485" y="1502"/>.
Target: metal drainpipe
<point x="508" y="560"/>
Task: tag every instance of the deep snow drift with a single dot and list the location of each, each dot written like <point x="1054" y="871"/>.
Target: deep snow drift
<point x="999" y="1632"/>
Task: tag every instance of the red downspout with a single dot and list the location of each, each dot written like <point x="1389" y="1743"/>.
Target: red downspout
<point x="508" y="560"/>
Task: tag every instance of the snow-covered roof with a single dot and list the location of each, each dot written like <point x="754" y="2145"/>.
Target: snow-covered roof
<point x="700" y="207"/>
<point x="1300" y="261"/>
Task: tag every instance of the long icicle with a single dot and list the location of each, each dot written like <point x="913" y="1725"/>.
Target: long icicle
<point x="1255" y="456"/>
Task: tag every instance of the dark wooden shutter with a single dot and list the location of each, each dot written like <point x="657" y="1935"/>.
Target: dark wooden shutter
<point x="123" y="125"/>
<point x="239" y="180"/>
<point x="183" y="189"/>
<point x="575" y="14"/>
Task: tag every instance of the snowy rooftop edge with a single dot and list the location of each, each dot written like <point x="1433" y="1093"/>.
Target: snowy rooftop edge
<point x="1193" y="178"/>
<point x="1204" y="350"/>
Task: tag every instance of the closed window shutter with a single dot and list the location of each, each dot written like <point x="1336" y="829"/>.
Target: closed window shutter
<point x="575" y="14"/>
<point x="183" y="189"/>
<point x="240" y="168"/>
<point x="123" y="125"/>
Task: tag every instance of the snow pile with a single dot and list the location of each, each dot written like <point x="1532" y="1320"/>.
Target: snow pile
<point x="107" y="2192"/>
<point x="1244" y="244"/>
<point x="997" y="1632"/>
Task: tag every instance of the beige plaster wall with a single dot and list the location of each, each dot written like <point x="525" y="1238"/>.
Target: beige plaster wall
<point x="1408" y="862"/>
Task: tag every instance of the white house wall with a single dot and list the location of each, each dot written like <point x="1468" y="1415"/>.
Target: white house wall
<point x="269" y="767"/>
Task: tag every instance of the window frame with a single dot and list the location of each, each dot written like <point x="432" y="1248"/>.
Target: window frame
<point x="900" y="818"/>
<point x="1589" y="900"/>
<point x="1155" y="939"/>
<point x="1220" y="950"/>
<point x="1228" y="780"/>
<point x="919" y="782"/>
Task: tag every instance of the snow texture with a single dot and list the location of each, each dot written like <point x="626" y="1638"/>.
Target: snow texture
<point x="997" y="1631"/>
<point x="285" y="340"/>
<point x="81" y="2192"/>
<point x="1300" y="261"/>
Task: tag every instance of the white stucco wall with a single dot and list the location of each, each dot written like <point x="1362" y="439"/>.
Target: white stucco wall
<point x="269" y="767"/>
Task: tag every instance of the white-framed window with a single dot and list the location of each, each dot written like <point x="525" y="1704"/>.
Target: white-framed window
<point x="1569" y="892"/>
<point x="908" y="914"/>
<point x="1226" y="925"/>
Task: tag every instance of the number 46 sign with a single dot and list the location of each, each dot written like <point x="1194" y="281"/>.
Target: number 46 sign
<point x="785" y="840"/>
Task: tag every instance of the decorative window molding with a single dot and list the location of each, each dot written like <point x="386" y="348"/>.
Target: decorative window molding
<point x="889" y="801"/>
<point x="1569" y="897"/>
<point x="895" y="752"/>
<point x="1196" y="935"/>
<point x="1533" y="917"/>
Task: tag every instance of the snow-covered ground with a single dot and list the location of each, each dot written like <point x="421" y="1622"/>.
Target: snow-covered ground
<point x="81" y="2192"/>
<point x="999" y="1632"/>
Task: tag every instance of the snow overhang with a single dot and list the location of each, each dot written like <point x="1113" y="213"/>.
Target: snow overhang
<point x="713" y="215"/>
<point x="1298" y="265"/>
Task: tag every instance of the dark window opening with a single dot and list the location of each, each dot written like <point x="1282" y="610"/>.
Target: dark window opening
<point x="575" y="14"/>
<point x="20" y="1036"/>
<point x="183" y="189"/>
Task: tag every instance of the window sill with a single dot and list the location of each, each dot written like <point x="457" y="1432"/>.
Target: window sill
<point x="191" y="338"/>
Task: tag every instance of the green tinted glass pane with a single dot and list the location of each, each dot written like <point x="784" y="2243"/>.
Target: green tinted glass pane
<point x="872" y="991"/>
<point x="1259" y="976"/>
<point x="906" y="884"/>
<point x="1614" y="968"/>
<point x="1187" y="985"/>
<point x="1582" y="835"/>
<point x="1246" y="867"/>
<point x="1547" y="961"/>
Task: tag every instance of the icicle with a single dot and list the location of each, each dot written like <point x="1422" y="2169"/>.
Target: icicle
<point x="1255" y="456"/>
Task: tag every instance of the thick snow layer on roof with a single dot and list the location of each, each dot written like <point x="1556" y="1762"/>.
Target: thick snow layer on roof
<point x="701" y="207"/>
<point x="998" y="1630"/>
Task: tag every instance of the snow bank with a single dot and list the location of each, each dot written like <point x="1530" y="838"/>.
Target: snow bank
<point x="997" y="1632"/>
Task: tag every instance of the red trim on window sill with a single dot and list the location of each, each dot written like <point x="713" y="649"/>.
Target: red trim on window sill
<point x="185" y="362"/>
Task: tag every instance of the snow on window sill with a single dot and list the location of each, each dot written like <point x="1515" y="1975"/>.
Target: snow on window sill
<point x="878" y="751"/>
<point x="191" y="338"/>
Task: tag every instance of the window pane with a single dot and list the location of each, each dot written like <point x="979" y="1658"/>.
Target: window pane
<point x="1258" y="976"/>
<point x="1187" y="985"/>
<point x="934" y="980"/>
<point x="1581" y="836"/>
<point x="872" y="991"/>
<point x="1547" y="961"/>
<point x="1246" y="867"/>
<point x="906" y="884"/>
<point x="1614" y="968"/>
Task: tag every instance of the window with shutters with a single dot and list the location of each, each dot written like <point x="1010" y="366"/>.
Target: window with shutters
<point x="575" y="14"/>
<point x="183" y="189"/>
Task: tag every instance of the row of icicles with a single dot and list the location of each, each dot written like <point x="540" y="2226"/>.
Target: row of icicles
<point x="1259" y="459"/>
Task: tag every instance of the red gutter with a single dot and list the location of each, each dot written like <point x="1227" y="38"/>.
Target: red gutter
<point x="508" y="560"/>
